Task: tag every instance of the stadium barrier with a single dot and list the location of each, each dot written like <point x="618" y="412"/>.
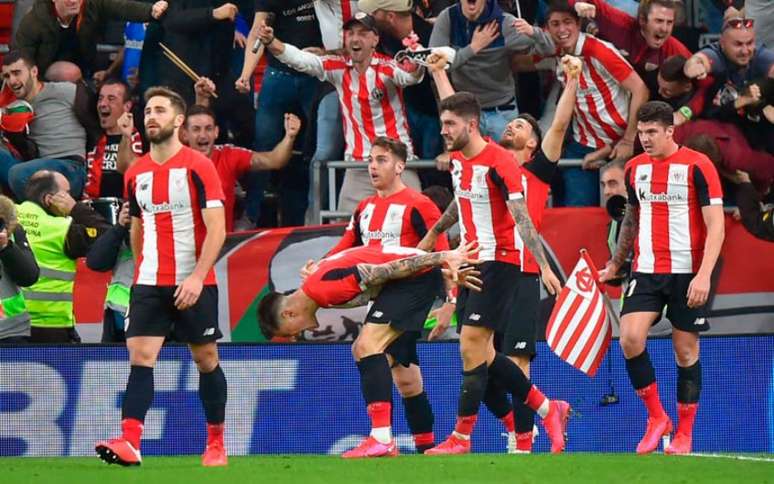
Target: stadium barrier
<point x="305" y="398"/>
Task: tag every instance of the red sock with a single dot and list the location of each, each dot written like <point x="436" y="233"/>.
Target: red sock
<point x="687" y="413"/>
<point x="215" y="433"/>
<point x="535" y="398"/>
<point x="380" y="414"/>
<point x="425" y="440"/>
<point x="507" y="421"/>
<point x="131" y="430"/>
<point x="649" y="396"/>
<point x="465" y="425"/>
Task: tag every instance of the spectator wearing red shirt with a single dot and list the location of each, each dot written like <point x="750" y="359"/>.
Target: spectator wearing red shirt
<point x="232" y="162"/>
<point x="645" y="41"/>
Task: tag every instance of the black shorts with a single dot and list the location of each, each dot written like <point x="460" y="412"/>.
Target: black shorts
<point x="491" y="308"/>
<point x="404" y="349"/>
<point x="651" y="292"/>
<point x="152" y="312"/>
<point x="521" y="332"/>
<point x="405" y="303"/>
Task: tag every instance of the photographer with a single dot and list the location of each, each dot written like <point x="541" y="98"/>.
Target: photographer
<point x="17" y="268"/>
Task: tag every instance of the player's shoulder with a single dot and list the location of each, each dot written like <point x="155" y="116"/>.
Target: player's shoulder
<point x="693" y="157"/>
<point x="599" y="50"/>
<point x="634" y="162"/>
<point x="139" y="165"/>
<point x="417" y="199"/>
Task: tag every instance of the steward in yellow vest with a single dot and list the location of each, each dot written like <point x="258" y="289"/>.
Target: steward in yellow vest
<point x="59" y="231"/>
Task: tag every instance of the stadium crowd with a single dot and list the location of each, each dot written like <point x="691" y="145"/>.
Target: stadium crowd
<point x="266" y="89"/>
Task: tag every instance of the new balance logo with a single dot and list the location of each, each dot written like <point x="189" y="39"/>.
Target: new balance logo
<point x="378" y="314"/>
<point x="699" y="321"/>
<point x="209" y="332"/>
<point x="474" y="317"/>
<point x="520" y="345"/>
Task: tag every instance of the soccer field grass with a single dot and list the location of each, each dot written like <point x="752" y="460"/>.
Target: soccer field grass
<point x="485" y="468"/>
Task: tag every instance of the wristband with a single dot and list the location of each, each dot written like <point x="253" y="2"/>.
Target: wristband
<point x="686" y="112"/>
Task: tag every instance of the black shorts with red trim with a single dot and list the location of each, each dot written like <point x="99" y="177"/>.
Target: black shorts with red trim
<point x="405" y="303"/>
<point x="521" y="332"/>
<point x="653" y="292"/>
<point x="492" y="306"/>
<point x="152" y="312"/>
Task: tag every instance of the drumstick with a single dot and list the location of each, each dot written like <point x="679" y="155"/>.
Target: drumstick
<point x="182" y="65"/>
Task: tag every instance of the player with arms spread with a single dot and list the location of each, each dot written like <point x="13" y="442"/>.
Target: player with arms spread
<point x="177" y="231"/>
<point x="674" y="220"/>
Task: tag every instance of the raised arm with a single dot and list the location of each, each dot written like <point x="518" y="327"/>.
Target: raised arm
<point x="252" y="57"/>
<point x="554" y="137"/>
<point x="639" y="96"/>
<point x="280" y="155"/>
<point x="291" y="55"/>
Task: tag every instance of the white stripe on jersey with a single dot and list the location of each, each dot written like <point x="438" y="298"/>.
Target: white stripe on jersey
<point x="679" y="220"/>
<point x="516" y="236"/>
<point x="393" y="223"/>
<point x="182" y="223"/>
<point x="150" y="253"/>
<point x="643" y="177"/>
<point x="481" y="208"/>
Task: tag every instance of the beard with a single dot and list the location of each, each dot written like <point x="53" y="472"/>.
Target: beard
<point x="164" y="133"/>
<point x="459" y="142"/>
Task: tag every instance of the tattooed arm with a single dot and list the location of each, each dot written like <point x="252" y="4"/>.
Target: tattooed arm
<point x="377" y="274"/>
<point x="529" y="235"/>
<point x="629" y="229"/>
<point x="449" y="218"/>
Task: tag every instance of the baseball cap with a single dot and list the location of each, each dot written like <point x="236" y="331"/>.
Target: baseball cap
<point x="363" y="19"/>
<point x="371" y="6"/>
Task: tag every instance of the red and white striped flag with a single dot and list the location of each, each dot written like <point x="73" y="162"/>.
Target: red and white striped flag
<point x="579" y="330"/>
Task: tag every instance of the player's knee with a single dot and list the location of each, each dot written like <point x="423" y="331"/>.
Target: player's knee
<point x="631" y="345"/>
<point x="363" y="347"/>
<point x="407" y="382"/>
<point x="686" y="354"/>
<point x="142" y="356"/>
<point x="206" y="358"/>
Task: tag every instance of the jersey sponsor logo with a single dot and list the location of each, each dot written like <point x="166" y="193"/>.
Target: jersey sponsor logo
<point x="377" y="94"/>
<point x="650" y="197"/>
<point x="379" y="235"/>
<point x="155" y="208"/>
<point x="471" y="195"/>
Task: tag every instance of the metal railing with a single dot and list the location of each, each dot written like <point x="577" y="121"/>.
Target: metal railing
<point x="318" y="215"/>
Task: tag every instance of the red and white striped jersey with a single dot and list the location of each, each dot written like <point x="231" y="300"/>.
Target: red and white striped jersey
<point x="400" y="220"/>
<point x="332" y="15"/>
<point x="536" y="177"/>
<point x="169" y="199"/>
<point x="482" y="187"/>
<point x="670" y="194"/>
<point x="602" y="103"/>
<point x="371" y="103"/>
<point x="337" y="279"/>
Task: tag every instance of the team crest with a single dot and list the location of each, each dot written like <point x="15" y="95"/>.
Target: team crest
<point x="377" y="94"/>
<point x="678" y="177"/>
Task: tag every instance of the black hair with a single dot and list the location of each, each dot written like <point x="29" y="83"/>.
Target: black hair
<point x="269" y="313"/>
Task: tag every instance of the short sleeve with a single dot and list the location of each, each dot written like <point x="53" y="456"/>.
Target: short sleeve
<point x="707" y="183"/>
<point x="630" y="191"/>
<point x="506" y="174"/>
<point x="208" y="184"/>
<point x="239" y="160"/>
<point x="134" y="207"/>
<point x="610" y="59"/>
<point x="541" y="167"/>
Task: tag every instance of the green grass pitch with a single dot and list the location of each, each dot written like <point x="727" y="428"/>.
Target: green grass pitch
<point x="484" y="468"/>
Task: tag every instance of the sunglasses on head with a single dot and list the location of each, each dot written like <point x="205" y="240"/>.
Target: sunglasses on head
<point x="739" y="23"/>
